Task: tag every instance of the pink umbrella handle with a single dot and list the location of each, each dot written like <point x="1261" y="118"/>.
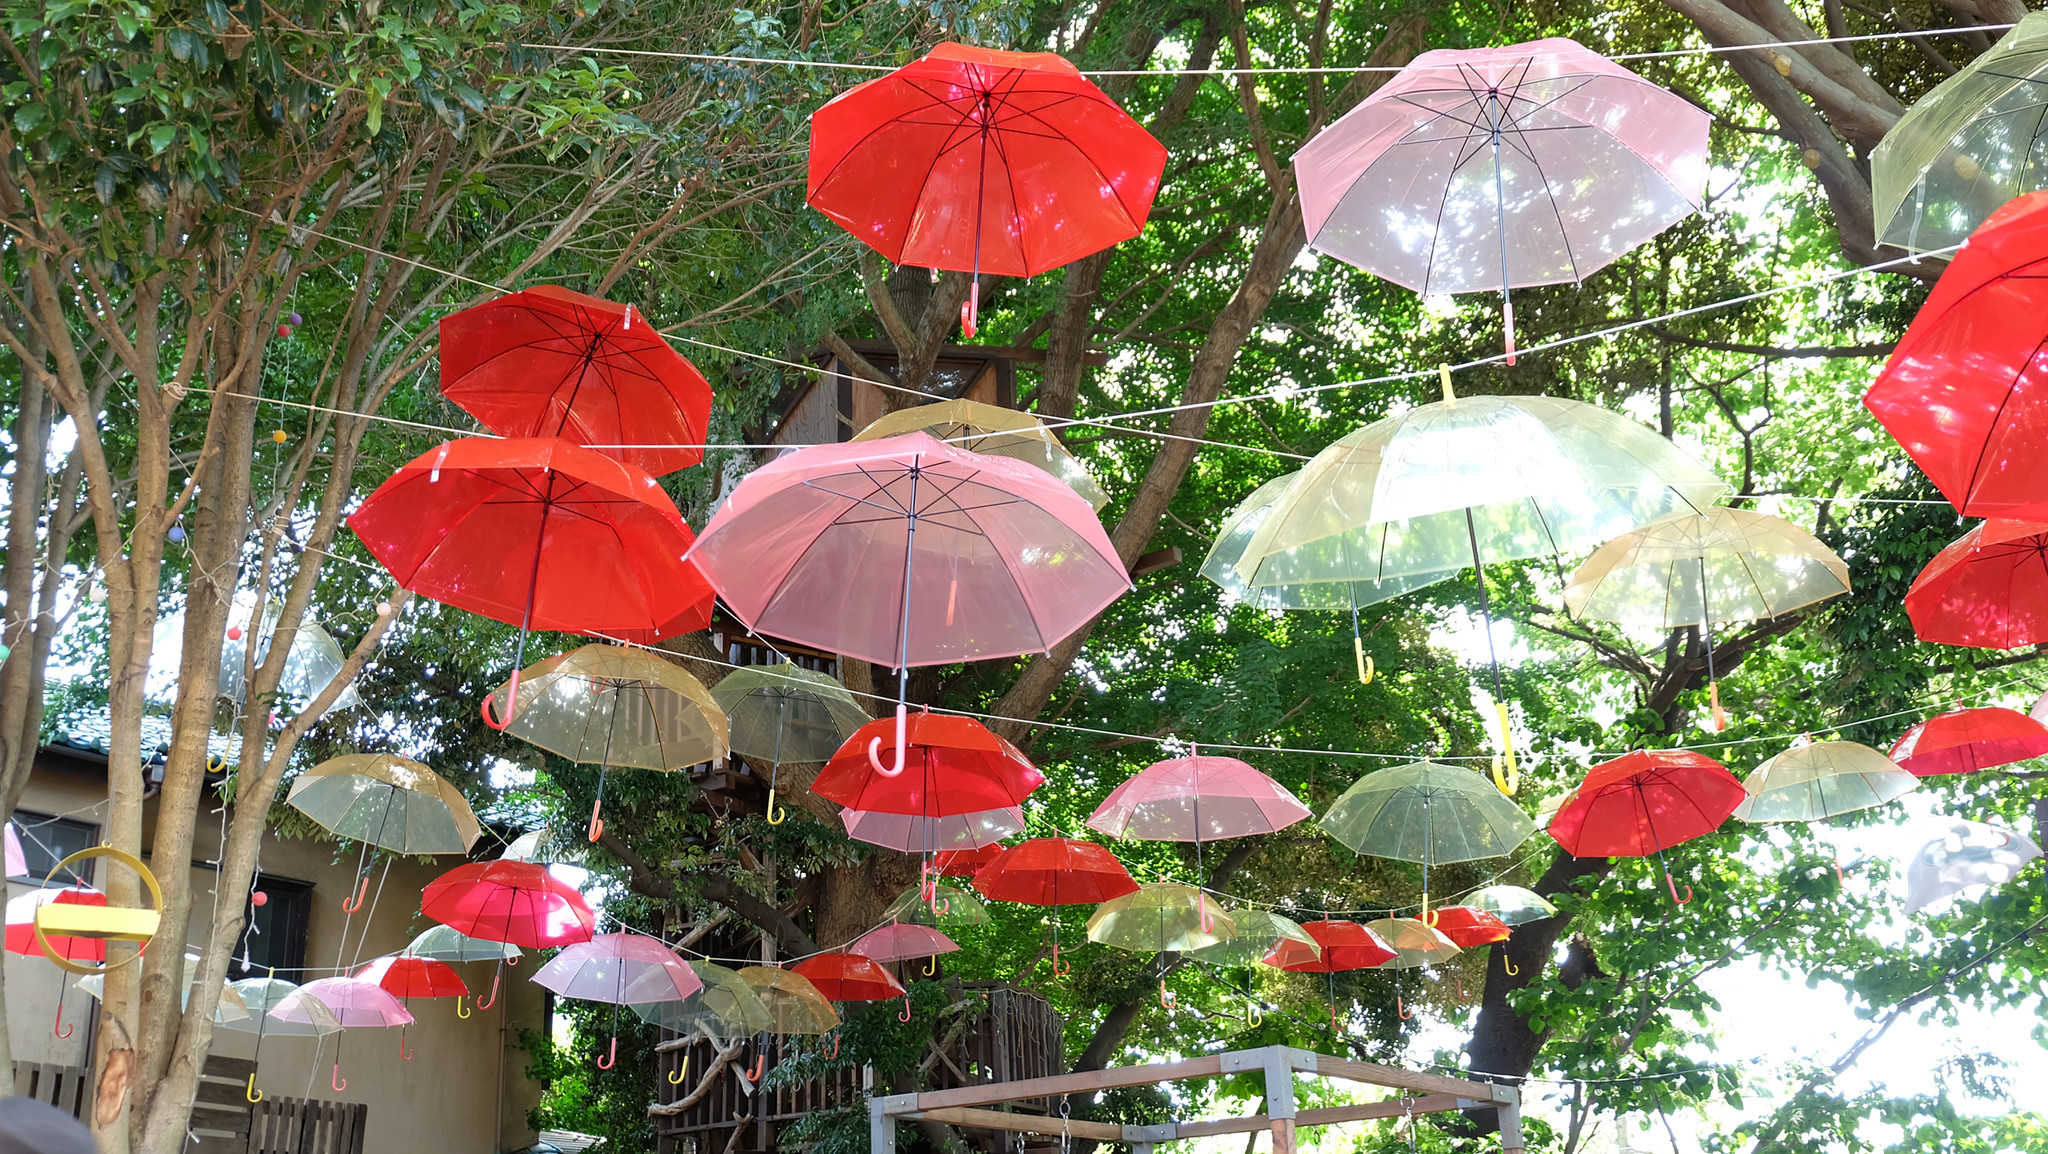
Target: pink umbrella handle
<point x="611" y="1058"/>
<point x="1401" y="1009"/>
<point x="67" y="1031"/>
<point x="336" y="1080"/>
<point x="905" y="1015"/>
<point x="511" y="704"/>
<point x="875" y="746"/>
<point x="493" y="999"/>
<point x="970" y="309"/>
<point x="1673" y="887"/>
<point x="1208" y="915"/>
<point x="1165" y="996"/>
<point x="405" y="1053"/>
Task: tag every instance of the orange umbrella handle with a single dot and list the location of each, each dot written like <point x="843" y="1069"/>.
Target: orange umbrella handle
<point x="511" y="703"/>
<point x="362" y="891"/>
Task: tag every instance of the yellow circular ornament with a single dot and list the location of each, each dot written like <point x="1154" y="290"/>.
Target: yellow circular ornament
<point x="109" y="923"/>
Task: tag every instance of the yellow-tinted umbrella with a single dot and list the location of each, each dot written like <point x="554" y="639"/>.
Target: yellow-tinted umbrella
<point x="1821" y="779"/>
<point x="609" y="705"/>
<point x="1161" y="916"/>
<point x="1414" y="944"/>
<point x="793" y="1004"/>
<point x="392" y="802"/>
<point x="1258" y="931"/>
<point x="996" y="431"/>
<point x="725" y="1007"/>
<point x="786" y="713"/>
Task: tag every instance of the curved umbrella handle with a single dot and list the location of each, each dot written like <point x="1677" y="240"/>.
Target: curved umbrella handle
<point x="760" y="1068"/>
<point x="461" y="1011"/>
<point x="773" y="817"/>
<point x="404" y="1052"/>
<point x="1166" y="996"/>
<point x="350" y="906"/>
<point x="905" y="1015"/>
<point x="676" y="1078"/>
<point x="1508" y="965"/>
<point x="611" y="1057"/>
<point x="1401" y="1009"/>
<point x="1207" y="915"/>
<point x="931" y="966"/>
<point x="1365" y="665"/>
<point x="485" y="1004"/>
<point x="1714" y="701"/>
<point x="67" y="1031"/>
<point x="1252" y="1015"/>
<point x="596" y="823"/>
<point x="511" y="703"/>
<point x="875" y="746"/>
<point x="970" y="310"/>
<point x="834" y="1051"/>
<point x="1463" y="1000"/>
<point x="335" y="1080"/>
<point x="1510" y="780"/>
<point x="250" y="1091"/>
<point x="1673" y="887"/>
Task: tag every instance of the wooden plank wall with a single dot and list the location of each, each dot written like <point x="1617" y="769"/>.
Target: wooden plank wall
<point x="306" y="1126"/>
<point x="68" y="1088"/>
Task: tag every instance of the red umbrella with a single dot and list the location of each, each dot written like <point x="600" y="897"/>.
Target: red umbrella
<point x="1643" y="802"/>
<point x="1345" y="946"/>
<point x="509" y="901"/>
<point x="1054" y="871"/>
<point x="952" y="765"/>
<point x="21" y="924"/>
<point x="964" y="863"/>
<point x="1968" y="740"/>
<point x="1469" y="926"/>
<point x="980" y="160"/>
<point x="548" y="362"/>
<point x="1965" y="392"/>
<point x="404" y="976"/>
<point x="540" y="534"/>
<point x="849" y="978"/>
<point x="1989" y="590"/>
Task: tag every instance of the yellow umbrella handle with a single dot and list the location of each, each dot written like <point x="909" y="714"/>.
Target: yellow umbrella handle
<point x="773" y="818"/>
<point x="1505" y="776"/>
<point x="1365" y="666"/>
<point x="676" y="1079"/>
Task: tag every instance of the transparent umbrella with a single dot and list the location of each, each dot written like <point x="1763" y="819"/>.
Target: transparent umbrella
<point x="1428" y="813"/>
<point x="1161" y="916"/>
<point x="1821" y="779"/>
<point x="1967" y="854"/>
<point x="1414" y="943"/>
<point x="1511" y="904"/>
<point x="794" y="1005"/>
<point x="726" y="1006"/>
<point x="937" y="904"/>
<point x="996" y="431"/>
<point x="1258" y="932"/>
<point x="785" y="712"/>
<point x="314" y="661"/>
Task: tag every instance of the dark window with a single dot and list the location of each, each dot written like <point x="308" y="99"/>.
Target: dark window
<point x="275" y="942"/>
<point x="47" y="840"/>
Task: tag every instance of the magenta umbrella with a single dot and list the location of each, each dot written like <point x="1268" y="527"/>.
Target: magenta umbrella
<point x="908" y="551"/>
<point x="1489" y="168"/>
<point x="913" y="833"/>
<point x="899" y="941"/>
<point x="623" y="969"/>
<point x="354" y="1003"/>
<point x="1197" y="799"/>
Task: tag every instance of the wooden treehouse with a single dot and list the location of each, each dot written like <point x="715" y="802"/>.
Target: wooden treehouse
<point x="1015" y="1038"/>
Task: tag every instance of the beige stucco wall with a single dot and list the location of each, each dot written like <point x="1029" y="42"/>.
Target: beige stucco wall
<point x="463" y="1092"/>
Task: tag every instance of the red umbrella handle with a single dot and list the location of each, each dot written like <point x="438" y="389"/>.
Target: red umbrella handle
<point x="1673" y="887"/>
<point x="349" y="906"/>
<point x="404" y="1053"/>
<point x="875" y="746"/>
<point x="67" y="1031"/>
<point x="1165" y="996"/>
<point x="493" y="999"/>
<point x="511" y="705"/>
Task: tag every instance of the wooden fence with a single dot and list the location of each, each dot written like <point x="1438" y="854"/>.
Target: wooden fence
<point x="223" y="1119"/>
<point x="306" y="1126"/>
<point x="68" y="1088"/>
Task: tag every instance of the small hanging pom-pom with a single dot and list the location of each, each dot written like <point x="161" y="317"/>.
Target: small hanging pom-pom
<point x="278" y="435"/>
<point x="383" y="608"/>
<point x="234" y="633"/>
<point x="177" y="533"/>
<point x="284" y="330"/>
<point x="1811" y="158"/>
<point x="99" y="593"/>
<point x="259" y="899"/>
<point x="4" y="651"/>
<point x="297" y="319"/>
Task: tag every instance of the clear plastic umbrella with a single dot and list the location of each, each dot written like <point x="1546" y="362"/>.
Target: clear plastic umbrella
<point x="785" y="712"/>
<point x="1511" y="904"/>
<point x="391" y="802"/>
<point x="1821" y="779"/>
<point x="937" y="904"/>
<point x="1414" y="943"/>
<point x="1967" y="854"/>
<point x="996" y="431"/>
<point x="620" y="969"/>
<point x="230" y="1009"/>
<point x="447" y="944"/>
<point x="915" y="833"/>
<point x="315" y="660"/>
<point x="1965" y="148"/>
<point x="260" y="996"/>
<point x="1428" y="813"/>
<point x="794" y="1005"/>
<point x="1258" y="931"/>
<point x="1161" y="916"/>
<point x="725" y="1007"/>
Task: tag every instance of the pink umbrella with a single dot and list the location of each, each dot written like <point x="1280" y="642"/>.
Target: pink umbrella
<point x="17" y="862"/>
<point x="913" y="833"/>
<point x="621" y="969"/>
<point x="354" y="1002"/>
<point x="1196" y="799"/>
<point x="899" y="941"/>
<point x="1488" y="168"/>
<point x="907" y="551"/>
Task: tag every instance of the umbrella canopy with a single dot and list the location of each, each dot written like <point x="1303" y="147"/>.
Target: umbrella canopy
<point x="901" y="941"/>
<point x="816" y="546"/>
<point x="793" y="1004"/>
<point x="1512" y="904"/>
<point x="231" y="1007"/>
<point x="1054" y="871"/>
<point x="849" y="978"/>
<point x="540" y="534"/>
<point x="1821" y="779"/>
<point x="509" y="901"/>
<point x="981" y="160"/>
<point x="447" y="944"/>
<point x="1339" y="946"/>
<point x="940" y="905"/>
<point x="1645" y="802"/>
<point x="1959" y="392"/>
<point x="1414" y="943"/>
<point x="1259" y="932"/>
<point x="314" y="660"/>
<point x="964" y="863"/>
<point x="312" y="1017"/>
<point x="616" y="706"/>
<point x="1965" y="148"/>
<point x="387" y="801"/>
<point x="995" y="431"/>
<point x="549" y="362"/>
<point x="951" y="765"/>
<point x="1161" y="916"/>
<point x="725" y="1007"/>
<point x="955" y="832"/>
<point x="1427" y="812"/>
<point x="1196" y="799"/>
<point x="1700" y="568"/>
<point x="1469" y="926"/>
<point x="1242" y="523"/>
<point x="17" y="862"/>
<point x="1965" y="855"/>
<point x="405" y="976"/>
<point x="21" y="923"/>
<point x="354" y="1002"/>
<point x="620" y="969"/>
<point x="1988" y="590"/>
<point x="785" y="712"/>
<point x="1967" y="740"/>
<point x="1490" y="168"/>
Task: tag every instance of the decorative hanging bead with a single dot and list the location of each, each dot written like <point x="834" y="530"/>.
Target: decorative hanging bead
<point x="284" y="330"/>
<point x="278" y="435"/>
<point x="297" y="319"/>
<point x="234" y="633"/>
<point x="177" y="533"/>
<point x="383" y="608"/>
<point x="259" y="899"/>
